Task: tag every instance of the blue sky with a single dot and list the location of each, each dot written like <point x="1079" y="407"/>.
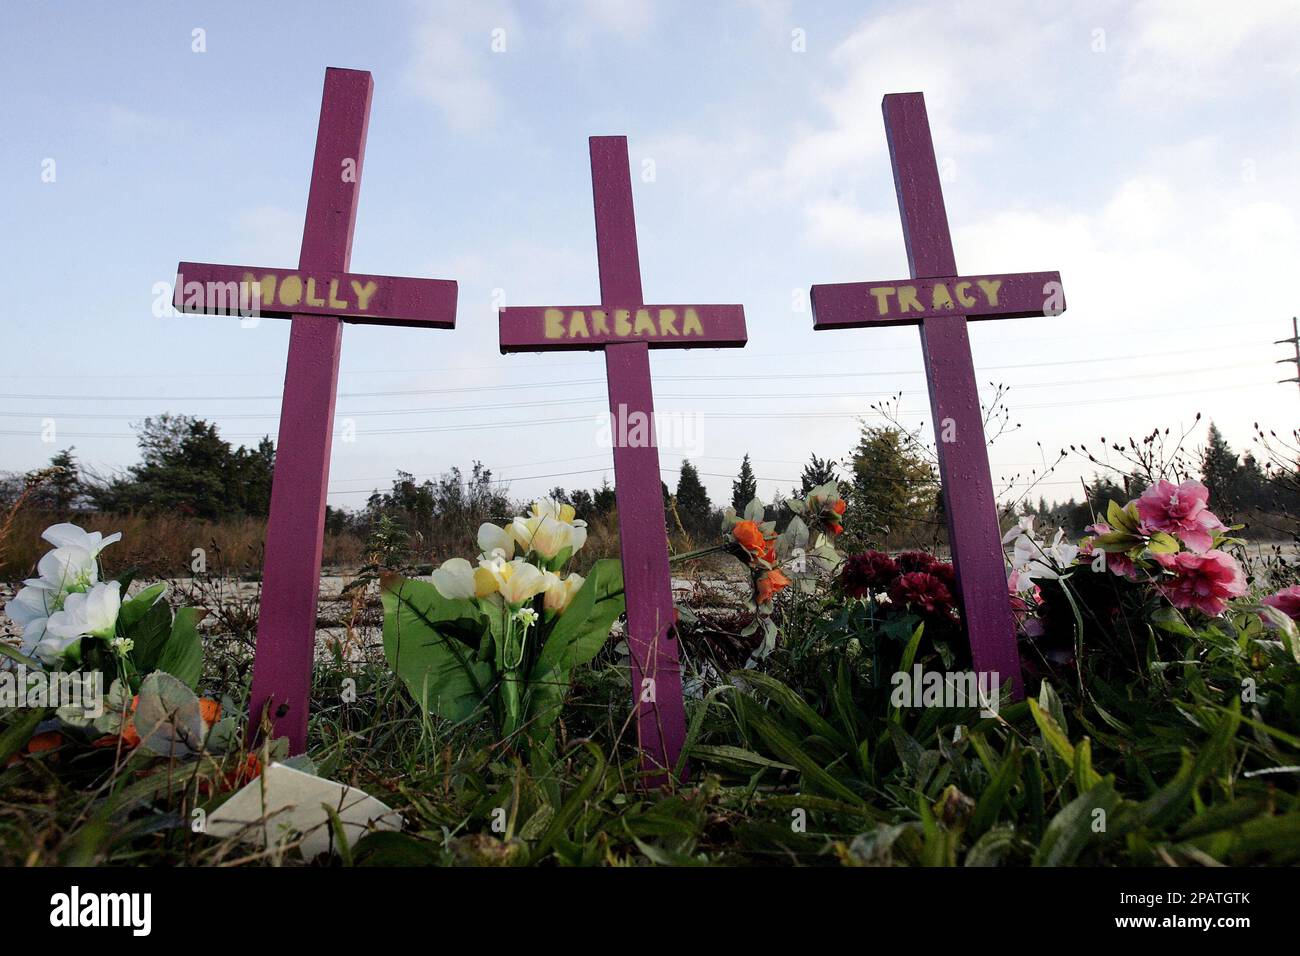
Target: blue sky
<point x="1147" y="151"/>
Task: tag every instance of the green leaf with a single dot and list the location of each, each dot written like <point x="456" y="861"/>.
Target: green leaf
<point x="579" y="633"/>
<point x="149" y="633"/>
<point x="440" y="670"/>
<point x="15" y="736"/>
<point x="167" y="717"/>
<point x="182" y="655"/>
<point x="995" y="794"/>
<point x="134" y="609"/>
<point x="1072" y="828"/>
<point x="1171" y="619"/>
<point x="793" y="704"/>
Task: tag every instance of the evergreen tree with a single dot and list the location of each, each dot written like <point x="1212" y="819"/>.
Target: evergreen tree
<point x="1219" y="471"/>
<point x="818" y="471"/>
<point x="893" y="483"/>
<point x="745" y="488"/>
<point x="693" y="504"/>
<point x="63" y="489"/>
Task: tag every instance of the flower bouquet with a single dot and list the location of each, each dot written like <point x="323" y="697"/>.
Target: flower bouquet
<point x="503" y="635"/>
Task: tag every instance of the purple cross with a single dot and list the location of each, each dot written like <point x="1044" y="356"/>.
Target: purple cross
<point x="319" y="296"/>
<point x="940" y="301"/>
<point x="626" y="328"/>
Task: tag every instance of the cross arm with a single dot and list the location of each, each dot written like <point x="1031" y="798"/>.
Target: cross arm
<point x="908" y="301"/>
<point x="280" y="293"/>
<point x="590" y="327"/>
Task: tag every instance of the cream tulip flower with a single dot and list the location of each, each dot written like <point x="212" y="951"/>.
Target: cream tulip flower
<point x="543" y="535"/>
<point x="454" y="579"/>
<point x="560" y="591"/>
<point x="518" y="581"/>
<point x="66" y="568"/>
<point x="492" y="539"/>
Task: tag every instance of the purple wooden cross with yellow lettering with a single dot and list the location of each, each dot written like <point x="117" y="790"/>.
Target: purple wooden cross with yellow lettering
<point x="626" y="328"/>
<point x="940" y="301"/>
<point x="319" y="296"/>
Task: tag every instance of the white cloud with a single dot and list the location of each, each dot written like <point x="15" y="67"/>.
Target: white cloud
<point x="1195" y="48"/>
<point x="268" y="234"/>
<point x="453" y="44"/>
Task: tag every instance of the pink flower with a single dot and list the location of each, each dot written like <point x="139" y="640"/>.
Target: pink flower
<point x="1287" y="601"/>
<point x="1116" y="562"/>
<point x="1203" y="581"/>
<point x="1180" y="510"/>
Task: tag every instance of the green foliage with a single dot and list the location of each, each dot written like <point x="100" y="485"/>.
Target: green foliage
<point x="458" y="656"/>
<point x="745" y="488"/>
<point x="693" y="505"/>
<point x="187" y="468"/>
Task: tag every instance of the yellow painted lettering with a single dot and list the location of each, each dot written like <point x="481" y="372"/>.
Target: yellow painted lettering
<point x="363" y="293"/>
<point x="578" y="325"/>
<point x="259" y="290"/>
<point x="691" y="323"/>
<point x="622" y="325"/>
<point x="668" y="322"/>
<point x="335" y="301"/>
<point x="643" y="323"/>
<point x="554" y="320"/>
<point x="598" y="323"/>
<point x="940" y="298"/>
<point x="291" y="290"/>
<point x="312" y="297"/>
<point x="962" y="297"/>
<point x="907" y="300"/>
<point x="990" y="288"/>
<point x="882" y="294"/>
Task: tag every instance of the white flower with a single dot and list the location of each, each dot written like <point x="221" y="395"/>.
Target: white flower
<point x="526" y="616"/>
<point x="1025" y="526"/>
<point x="70" y="536"/>
<point x="492" y="539"/>
<point x="455" y="579"/>
<point x="66" y="568"/>
<point x="560" y="591"/>
<point x="29" y="609"/>
<point x="122" y="645"/>
<point x="90" y="613"/>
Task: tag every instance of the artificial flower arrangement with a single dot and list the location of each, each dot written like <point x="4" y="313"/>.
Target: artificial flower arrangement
<point x="504" y="634"/>
<point x="1165" y="550"/>
<point x="769" y="555"/>
<point x="79" y="626"/>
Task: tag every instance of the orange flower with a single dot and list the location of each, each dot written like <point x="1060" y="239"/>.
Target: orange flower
<point x="770" y="554"/>
<point x="43" y="742"/>
<point x="750" y="537"/>
<point x="210" y="710"/>
<point x="839" y="506"/>
<point x="770" y="583"/>
<point x="836" y="529"/>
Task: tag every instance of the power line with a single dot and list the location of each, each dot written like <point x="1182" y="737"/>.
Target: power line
<point x="594" y="381"/>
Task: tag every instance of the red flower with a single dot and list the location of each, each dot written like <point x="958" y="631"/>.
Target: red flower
<point x="1203" y="581"/>
<point x="922" y="592"/>
<point x="866" y="572"/>
<point x="840" y="506"/>
<point x="748" y="535"/>
<point x="910" y="561"/>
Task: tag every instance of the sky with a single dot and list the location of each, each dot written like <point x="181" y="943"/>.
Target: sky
<point x="1145" y="150"/>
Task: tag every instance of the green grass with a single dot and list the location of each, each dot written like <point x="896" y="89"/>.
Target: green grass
<point x="1147" y="755"/>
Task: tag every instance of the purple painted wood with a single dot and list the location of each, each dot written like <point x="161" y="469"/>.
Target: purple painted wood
<point x="656" y="673"/>
<point x="907" y="302"/>
<point x="954" y="396"/>
<point x="569" y="327"/>
<point x="286" y="627"/>
<point x="282" y="293"/>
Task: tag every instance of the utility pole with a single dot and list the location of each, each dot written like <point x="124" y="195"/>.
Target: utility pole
<point x="1294" y="340"/>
